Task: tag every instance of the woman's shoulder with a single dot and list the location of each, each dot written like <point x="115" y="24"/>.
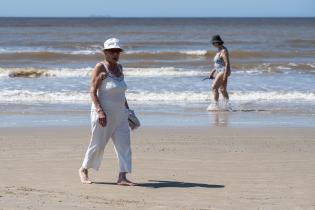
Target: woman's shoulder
<point x="99" y="65"/>
<point x="225" y="50"/>
<point x="99" y="68"/>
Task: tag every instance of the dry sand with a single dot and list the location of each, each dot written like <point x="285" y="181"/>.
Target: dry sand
<point x="177" y="168"/>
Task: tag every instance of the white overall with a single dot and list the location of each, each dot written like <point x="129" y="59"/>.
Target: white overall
<point x="111" y="95"/>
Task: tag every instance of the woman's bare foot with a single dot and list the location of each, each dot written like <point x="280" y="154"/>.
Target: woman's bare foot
<point x="83" y="174"/>
<point x="123" y="181"/>
<point x="126" y="183"/>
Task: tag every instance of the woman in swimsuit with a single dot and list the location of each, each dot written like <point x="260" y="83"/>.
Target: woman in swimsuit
<point x="220" y="73"/>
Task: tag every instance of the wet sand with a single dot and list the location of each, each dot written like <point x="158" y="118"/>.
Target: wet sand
<point x="176" y="168"/>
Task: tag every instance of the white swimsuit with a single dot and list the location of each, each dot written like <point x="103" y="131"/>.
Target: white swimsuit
<point x="111" y="95"/>
<point x="219" y="64"/>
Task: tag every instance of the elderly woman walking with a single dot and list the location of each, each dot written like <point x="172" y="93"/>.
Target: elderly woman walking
<point x="109" y="115"/>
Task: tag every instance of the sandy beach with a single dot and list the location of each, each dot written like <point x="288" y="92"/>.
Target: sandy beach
<point x="176" y="168"/>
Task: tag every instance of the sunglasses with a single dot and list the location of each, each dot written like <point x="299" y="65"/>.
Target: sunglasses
<point x="114" y="50"/>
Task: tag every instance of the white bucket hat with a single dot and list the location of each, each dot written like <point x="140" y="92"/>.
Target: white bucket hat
<point x="112" y="43"/>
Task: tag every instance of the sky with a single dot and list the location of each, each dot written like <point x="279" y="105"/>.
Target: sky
<point x="157" y="8"/>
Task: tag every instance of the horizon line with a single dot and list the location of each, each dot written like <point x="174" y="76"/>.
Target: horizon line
<point x="121" y="17"/>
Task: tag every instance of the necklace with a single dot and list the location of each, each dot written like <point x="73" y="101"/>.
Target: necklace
<point x="113" y="75"/>
<point x="113" y="71"/>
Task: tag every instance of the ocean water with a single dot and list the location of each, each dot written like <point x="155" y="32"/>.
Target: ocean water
<point x="46" y="63"/>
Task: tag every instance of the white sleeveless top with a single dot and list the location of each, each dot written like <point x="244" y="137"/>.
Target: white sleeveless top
<point x="111" y="93"/>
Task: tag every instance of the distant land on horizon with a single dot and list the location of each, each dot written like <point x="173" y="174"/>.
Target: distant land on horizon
<point x="153" y="17"/>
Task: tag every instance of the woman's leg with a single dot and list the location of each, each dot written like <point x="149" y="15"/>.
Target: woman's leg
<point x="215" y="93"/>
<point x="223" y="90"/>
<point x="84" y="176"/>
<point x="94" y="154"/>
<point x="121" y="140"/>
<point x="122" y="180"/>
<point x="216" y="84"/>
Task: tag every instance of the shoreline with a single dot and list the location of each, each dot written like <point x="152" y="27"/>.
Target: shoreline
<point x="190" y="118"/>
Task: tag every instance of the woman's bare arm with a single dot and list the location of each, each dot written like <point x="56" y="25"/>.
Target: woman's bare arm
<point x="211" y="73"/>
<point x="98" y="75"/>
<point x="97" y="78"/>
<point x="225" y="56"/>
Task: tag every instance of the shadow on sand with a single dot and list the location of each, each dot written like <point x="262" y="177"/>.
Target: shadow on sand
<point x="172" y="184"/>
